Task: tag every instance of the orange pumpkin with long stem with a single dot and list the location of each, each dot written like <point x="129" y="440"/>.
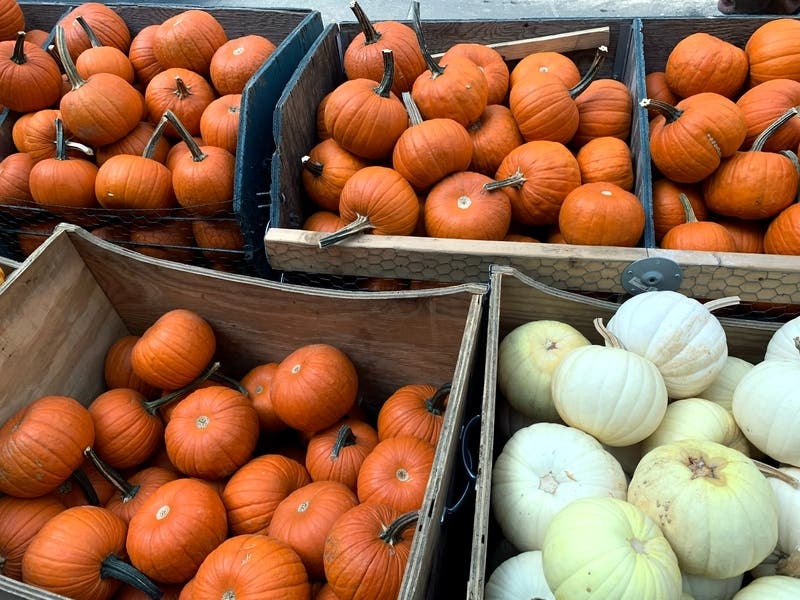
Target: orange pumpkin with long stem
<point x="253" y="492"/>
<point x="375" y="199"/>
<point x="366" y="118"/>
<point x="337" y="453"/>
<point x="430" y="149"/>
<point x="135" y="143"/>
<point x="183" y="92"/>
<point x="461" y="206"/>
<point x="362" y="57"/>
<point x="456" y="89"/>
<point x="544" y="107"/>
<point x="755" y="184"/>
<point x="416" y="410"/>
<point x="493" y="136"/>
<point x="109" y="27"/>
<point x="667" y="208"/>
<point x="326" y="168"/>
<point x="20" y="520"/>
<point x="30" y="79"/>
<point x="102" y="59"/>
<point x="79" y="554"/>
<point x="764" y="103"/>
<point x="702" y="236"/>
<point x="537" y="176"/>
<point x="136" y="182"/>
<point x="203" y="179"/>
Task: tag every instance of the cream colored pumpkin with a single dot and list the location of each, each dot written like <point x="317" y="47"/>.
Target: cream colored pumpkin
<point x="773" y="587"/>
<point x="693" y="418"/>
<point x="766" y="406"/>
<point x="782" y="345"/>
<point x="788" y="511"/>
<point x="519" y="578"/>
<point x="526" y="359"/>
<point x="607" y="548"/>
<point x="714" y="506"/>
<point x="617" y="396"/>
<point x="705" y="588"/>
<point x="722" y="388"/>
<point x="678" y="334"/>
<point x="543" y="468"/>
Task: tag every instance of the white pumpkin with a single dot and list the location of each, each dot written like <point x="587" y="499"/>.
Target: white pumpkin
<point x="705" y="588"/>
<point x="679" y="334"/>
<point x="526" y="359"/>
<point x="714" y="506"/>
<point x="607" y="548"/>
<point x="722" y="388"/>
<point x="693" y="418"/>
<point x="617" y="396"/>
<point x="541" y="469"/>
<point x="766" y="406"/>
<point x="519" y="578"/>
<point x="773" y="587"/>
<point x="782" y="345"/>
<point x="788" y="511"/>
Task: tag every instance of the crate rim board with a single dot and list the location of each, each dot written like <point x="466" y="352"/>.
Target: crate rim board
<point x="625" y="45"/>
<point x="293" y="30"/>
<point x="112" y="282"/>
<point x="559" y="305"/>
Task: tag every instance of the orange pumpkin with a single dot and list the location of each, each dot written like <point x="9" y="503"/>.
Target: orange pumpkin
<point x="102" y="59"/>
<point x="601" y="214"/>
<point x="554" y="63"/>
<point x="702" y="62"/>
<point x="490" y="61"/>
<point x="133" y="491"/>
<point x="606" y="159"/>
<point x="748" y="236"/>
<point x="109" y="27"/>
<point x="236" y="61"/>
<point x="605" y="109"/>
<point x="337" y="453"/>
<point x="15" y="171"/>
<point x="144" y="62"/>
<point x="326" y="169"/>
<point x="416" y="410"/>
<point x="12" y="19"/>
<point x="186" y="93"/>
<point x="20" y="520"/>
<point x="773" y="51"/>
<point x="30" y="78"/>
<point x="667" y="208"/>
<point x="703" y="236"/>
<point x="189" y="40"/>
<point x="783" y="232"/>
<point x="219" y="123"/>
<point x="493" y="135"/>
<point x="762" y="104"/>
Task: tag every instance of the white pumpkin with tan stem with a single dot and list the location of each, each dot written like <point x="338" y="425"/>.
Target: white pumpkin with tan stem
<point x="774" y="587"/>
<point x="617" y="396"/>
<point x="766" y="406"/>
<point x="541" y="469"/>
<point x="604" y="548"/>
<point x="678" y="334"/>
<point x="526" y="359"/>
<point x="714" y="506"/>
<point x="519" y="578"/>
<point x="781" y="345"/>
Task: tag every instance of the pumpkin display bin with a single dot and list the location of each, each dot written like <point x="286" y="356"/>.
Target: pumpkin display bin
<point x="390" y="340"/>
<point x="768" y="284"/>
<point x="524" y="444"/>
<point x="256" y="51"/>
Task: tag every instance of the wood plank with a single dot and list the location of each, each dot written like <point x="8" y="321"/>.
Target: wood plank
<point x="584" y="39"/>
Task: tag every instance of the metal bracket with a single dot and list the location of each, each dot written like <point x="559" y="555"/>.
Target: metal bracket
<point x="651" y="274"/>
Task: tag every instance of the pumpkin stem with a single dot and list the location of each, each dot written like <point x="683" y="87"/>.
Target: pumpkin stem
<point x="669" y="112"/>
<point x="796" y="341"/>
<point x="18" y="55"/>
<point x="371" y="35"/>
<point x="688" y="210"/>
<point x="115" y="568"/>
<point x="414" y="116"/>
<point x="75" y="80"/>
<point x="393" y="533"/>
<point x="197" y="154"/>
<point x="83" y="148"/>
<point x="435" y="404"/>
<point x="152" y="405"/>
<point x="362" y="223"/>
<point x="609" y="338"/>
<point x="435" y="68"/>
<point x="789" y="565"/>
<point x="758" y="143"/>
<point x="312" y="166"/>
<point x="796" y="162"/>
<point x="344" y="437"/>
<point x="126" y="489"/>
<point x="770" y="471"/>
<point x="591" y="73"/>
<point x="516" y="180"/>
<point x="93" y="39"/>
<point x="182" y="90"/>
<point x="722" y="302"/>
<point x="155" y="137"/>
<point x="384" y="88"/>
<point x="82" y="479"/>
<point x="61" y="146"/>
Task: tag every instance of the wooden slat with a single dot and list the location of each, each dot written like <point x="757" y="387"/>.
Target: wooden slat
<point x="584" y="39"/>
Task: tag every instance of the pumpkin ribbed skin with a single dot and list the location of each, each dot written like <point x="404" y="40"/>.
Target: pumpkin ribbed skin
<point x="148" y="481"/>
<point x="174" y="350"/>
<point x="702" y="236"/>
<point x="337" y="453"/>
<point x="773" y="51"/>
<point x="701" y="62"/>
<point x="254" y="567"/>
<point x="490" y="61"/>
<point x="12" y="19"/>
<point x="553" y="63"/>
<point x="667" y="209"/>
<point x="42" y="444"/>
<point x="65" y="556"/>
<point x="127" y="181"/>
<point x="109" y="27"/>
<point x="606" y="159"/>
<point x="493" y="136"/>
<point x="35" y="84"/>
<point x="601" y="214"/>
<point x="383" y="195"/>
<point x="764" y="103"/>
<point x="336" y="165"/>
<point x="748" y="236"/>
<point x="783" y="233"/>
<point x="236" y="61"/>
<point x="416" y="409"/>
<point x="175" y="529"/>
<point x="134" y="143"/>
<point x="15" y="170"/>
<point x="460" y="92"/>
<point x="605" y="109"/>
<point x="187" y="98"/>
<point x="219" y="122"/>
<point x="543" y="108"/>
<point x="189" y="40"/>
<point x="20" y="520"/>
<point x="145" y="64"/>
<point x="254" y="492"/>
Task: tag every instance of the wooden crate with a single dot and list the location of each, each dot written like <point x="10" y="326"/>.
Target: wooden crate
<point x="292" y="30"/>
<point x="76" y="295"/>
<point x="607" y="271"/>
<point x="517" y="299"/>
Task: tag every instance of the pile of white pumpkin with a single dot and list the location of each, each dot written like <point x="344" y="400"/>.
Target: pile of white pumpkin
<point x="636" y="470"/>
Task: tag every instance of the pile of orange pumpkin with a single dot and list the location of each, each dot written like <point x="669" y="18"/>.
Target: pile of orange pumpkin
<point x="724" y="134"/>
<point x="466" y="147"/>
<point x="86" y="124"/>
<point x="176" y="477"/>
